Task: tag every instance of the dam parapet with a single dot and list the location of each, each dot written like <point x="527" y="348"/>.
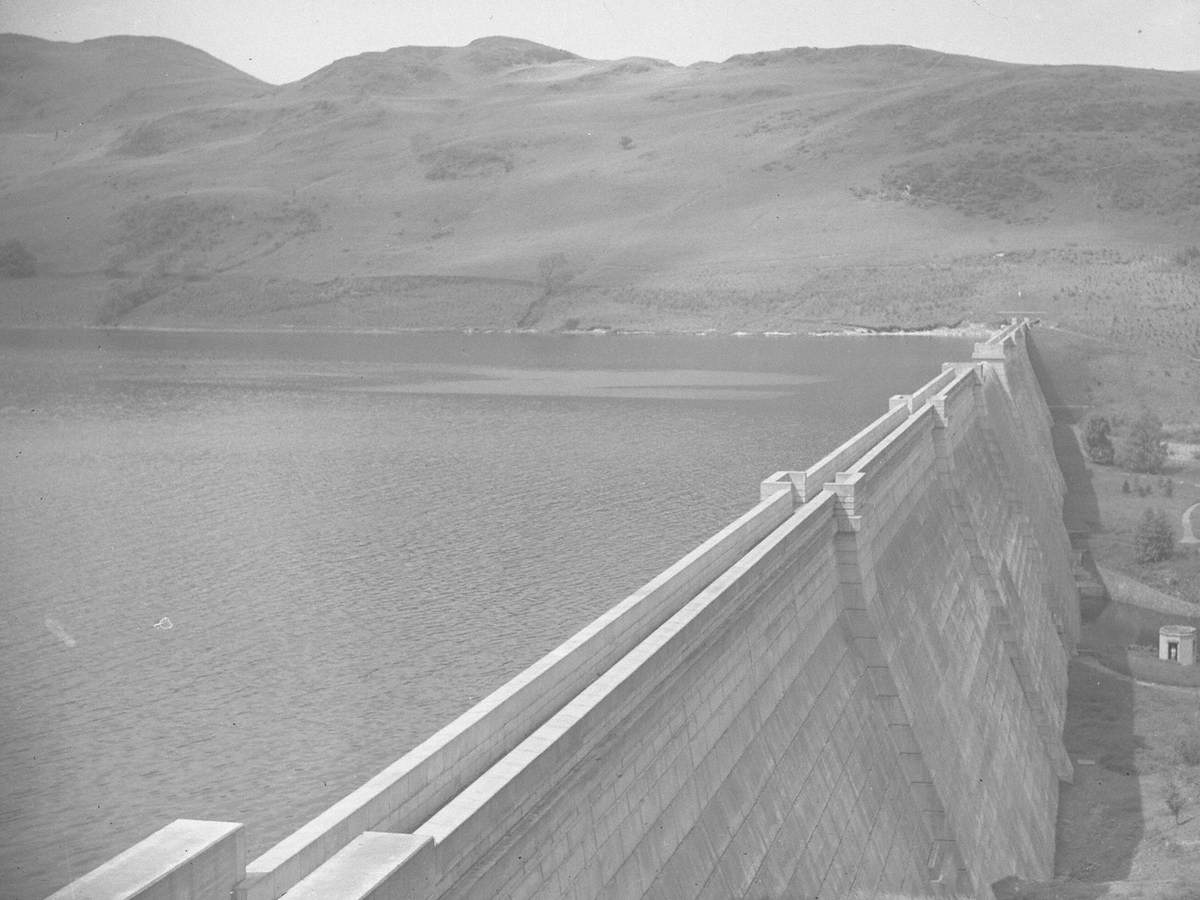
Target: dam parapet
<point x="855" y="689"/>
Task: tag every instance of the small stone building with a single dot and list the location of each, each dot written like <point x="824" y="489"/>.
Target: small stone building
<point x="1177" y="643"/>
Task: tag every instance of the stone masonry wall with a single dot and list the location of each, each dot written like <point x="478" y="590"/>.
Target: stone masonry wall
<point x="855" y="690"/>
<point x="868" y="703"/>
<point x="738" y="754"/>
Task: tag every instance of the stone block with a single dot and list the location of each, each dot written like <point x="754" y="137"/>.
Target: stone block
<point x="373" y="866"/>
<point x="188" y="859"/>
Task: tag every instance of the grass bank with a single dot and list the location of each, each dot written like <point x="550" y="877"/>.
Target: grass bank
<point x="1129" y="824"/>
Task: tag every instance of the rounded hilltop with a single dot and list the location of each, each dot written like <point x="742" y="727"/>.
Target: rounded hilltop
<point x="497" y="52"/>
<point x="777" y="191"/>
<point x="419" y="70"/>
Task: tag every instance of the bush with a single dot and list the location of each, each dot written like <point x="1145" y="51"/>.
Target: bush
<point x="1141" y="447"/>
<point x="1174" y="797"/>
<point x="555" y="273"/>
<point x="147" y="139"/>
<point x="1188" y="749"/>
<point x="1154" y="539"/>
<point x="16" y="261"/>
<point x="1187" y="256"/>
<point x="1097" y="441"/>
<point x="468" y="160"/>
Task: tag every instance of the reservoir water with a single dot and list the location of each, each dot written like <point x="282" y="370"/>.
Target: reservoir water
<point x="241" y="573"/>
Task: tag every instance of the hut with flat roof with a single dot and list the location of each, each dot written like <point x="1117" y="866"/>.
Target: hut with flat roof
<point x="1177" y="643"/>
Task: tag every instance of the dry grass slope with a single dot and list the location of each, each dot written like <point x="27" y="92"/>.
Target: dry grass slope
<point x="880" y="186"/>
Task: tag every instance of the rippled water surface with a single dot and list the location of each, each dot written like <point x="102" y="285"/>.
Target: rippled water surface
<point x="239" y="574"/>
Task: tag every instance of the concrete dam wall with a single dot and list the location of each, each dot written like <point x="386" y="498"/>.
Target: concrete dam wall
<point x="857" y="689"/>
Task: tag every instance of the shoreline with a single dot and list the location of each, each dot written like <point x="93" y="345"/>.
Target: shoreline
<point x="960" y="330"/>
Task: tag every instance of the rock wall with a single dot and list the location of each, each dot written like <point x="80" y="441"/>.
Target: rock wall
<point x="857" y="689"/>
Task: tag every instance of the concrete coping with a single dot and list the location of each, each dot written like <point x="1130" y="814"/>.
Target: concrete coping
<point x="398" y="864"/>
<point x="812" y="481"/>
<point x="488" y="730"/>
<point x="882" y="450"/>
<point x="575" y="717"/>
<point x="155" y="859"/>
<point x="929" y="400"/>
<point x="963" y="377"/>
<point x="923" y="394"/>
<point x="1177" y="631"/>
<point x="778" y="482"/>
<point x="873" y="441"/>
<point x="996" y="346"/>
<point x="950" y="400"/>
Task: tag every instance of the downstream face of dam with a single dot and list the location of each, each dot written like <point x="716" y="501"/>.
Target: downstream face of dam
<point x="856" y="689"/>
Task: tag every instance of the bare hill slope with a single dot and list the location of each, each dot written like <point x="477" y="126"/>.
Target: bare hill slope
<point x="506" y="182"/>
<point x="51" y="84"/>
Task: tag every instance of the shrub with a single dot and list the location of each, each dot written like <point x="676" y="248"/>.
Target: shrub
<point x="1097" y="441"/>
<point x="1187" y="256"/>
<point x="468" y="160"/>
<point x="16" y="261"/>
<point x="554" y="272"/>
<point x="166" y="223"/>
<point x="1140" y="447"/>
<point x="986" y="183"/>
<point x="1174" y="797"/>
<point x="1154" y="539"/>
<point x="1188" y="749"/>
<point x="147" y="139"/>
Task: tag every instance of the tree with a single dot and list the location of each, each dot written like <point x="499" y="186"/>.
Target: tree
<point x="554" y="272"/>
<point x="1154" y="539"/>
<point x="1141" y="447"/>
<point x="1097" y="441"/>
<point x="1174" y="797"/>
<point x="16" y="261"/>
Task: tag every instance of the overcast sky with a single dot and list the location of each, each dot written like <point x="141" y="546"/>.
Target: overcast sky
<point x="282" y="40"/>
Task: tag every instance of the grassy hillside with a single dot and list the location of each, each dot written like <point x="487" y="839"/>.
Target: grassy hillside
<point x="506" y="182"/>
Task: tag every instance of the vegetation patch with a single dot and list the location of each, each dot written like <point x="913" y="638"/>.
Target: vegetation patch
<point x="170" y="222"/>
<point x="1141" y="521"/>
<point x="16" y="261"/>
<point x="146" y="139"/>
<point x="988" y="184"/>
<point x="161" y="135"/>
<point x="468" y="160"/>
<point x="189" y="234"/>
<point x="123" y="297"/>
<point x="1188" y="256"/>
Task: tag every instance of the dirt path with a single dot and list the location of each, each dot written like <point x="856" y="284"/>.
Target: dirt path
<point x="1098" y="666"/>
<point x="1189" y="536"/>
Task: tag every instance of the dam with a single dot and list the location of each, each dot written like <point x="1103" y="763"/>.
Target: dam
<point x="855" y="689"/>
